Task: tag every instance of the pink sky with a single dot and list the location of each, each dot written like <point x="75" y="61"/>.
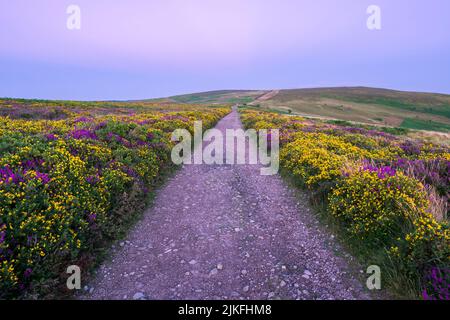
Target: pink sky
<point x="252" y="44"/>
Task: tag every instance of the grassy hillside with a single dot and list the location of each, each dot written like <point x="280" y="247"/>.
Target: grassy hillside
<point x="424" y="111"/>
<point x="411" y="110"/>
<point x="221" y="97"/>
<point x="419" y="124"/>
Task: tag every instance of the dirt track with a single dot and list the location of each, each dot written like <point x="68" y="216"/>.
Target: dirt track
<point x="226" y="232"/>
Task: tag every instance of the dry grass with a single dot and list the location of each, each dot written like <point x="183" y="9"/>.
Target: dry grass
<point x="367" y="105"/>
<point x="431" y="136"/>
<point x="438" y="205"/>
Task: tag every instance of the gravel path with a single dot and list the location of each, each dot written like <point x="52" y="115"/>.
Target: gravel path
<point x="226" y="232"/>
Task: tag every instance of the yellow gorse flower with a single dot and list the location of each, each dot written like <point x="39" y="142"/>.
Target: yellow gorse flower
<point x="66" y="184"/>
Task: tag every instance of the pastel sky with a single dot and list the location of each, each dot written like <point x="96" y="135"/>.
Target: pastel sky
<point x="135" y="49"/>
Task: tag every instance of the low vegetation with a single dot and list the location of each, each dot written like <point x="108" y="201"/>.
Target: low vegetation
<point x="72" y="177"/>
<point x="387" y="195"/>
<point x="381" y="107"/>
<point x="428" y="125"/>
<point x="373" y="106"/>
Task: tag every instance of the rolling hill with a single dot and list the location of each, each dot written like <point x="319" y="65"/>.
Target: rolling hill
<point x="412" y="110"/>
<point x="216" y="97"/>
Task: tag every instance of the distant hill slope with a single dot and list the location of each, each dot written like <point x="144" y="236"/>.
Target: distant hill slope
<point x="413" y="110"/>
<point x="220" y="97"/>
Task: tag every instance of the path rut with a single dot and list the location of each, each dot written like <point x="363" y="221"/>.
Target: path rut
<point x="227" y="232"/>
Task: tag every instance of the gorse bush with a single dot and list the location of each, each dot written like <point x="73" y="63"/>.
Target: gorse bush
<point x="317" y="157"/>
<point x="68" y="186"/>
<point x="388" y="194"/>
<point x="378" y="204"/>
<point x="434" y="173"/>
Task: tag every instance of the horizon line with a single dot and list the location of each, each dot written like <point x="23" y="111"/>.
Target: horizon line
<point x="230" y="90"/>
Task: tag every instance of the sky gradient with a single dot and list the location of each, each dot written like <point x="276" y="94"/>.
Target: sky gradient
<point x="136" y="49"/>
